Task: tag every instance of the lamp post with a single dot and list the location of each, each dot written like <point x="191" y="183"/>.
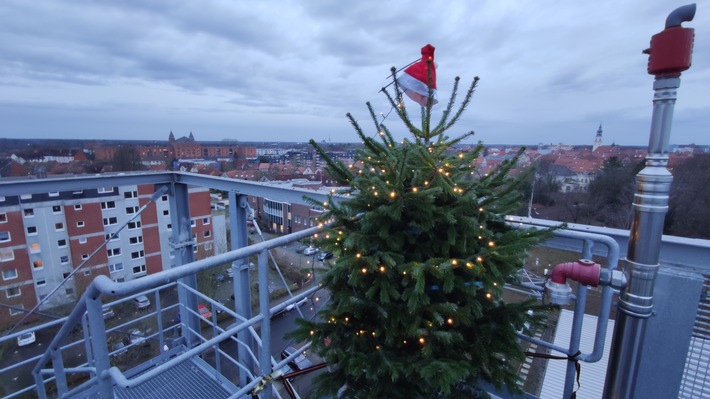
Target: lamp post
<point x="669" y="55"/>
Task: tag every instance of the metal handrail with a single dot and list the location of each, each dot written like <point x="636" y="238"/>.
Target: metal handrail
<point x="103" y="285"/>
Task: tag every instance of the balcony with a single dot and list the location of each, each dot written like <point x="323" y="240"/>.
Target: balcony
<point x="232" y="353"/>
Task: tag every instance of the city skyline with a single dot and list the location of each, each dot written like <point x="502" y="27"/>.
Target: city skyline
<point x="549" y="73"/>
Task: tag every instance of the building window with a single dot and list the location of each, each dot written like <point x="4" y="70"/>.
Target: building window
<point x="65" y="275"/>
<point x="193" y="223"/>
<point x="208" y="246"/>
<point x="104" y="190"/>
<point x="108" y="205"/>
<point x="64" y="259"/>
<point x="29" y="212"/>
<point x="113" y="251"/>
<point x="130" y="194"/>
<point x="69" y="291"/>
<point x="139" y="269"/>
<point x="115" y="268"/>
<point x="80" y="223"/>
<point x="205" y="221"/>
<point x="6" y="254"/>
<point x="14" y="311"/>
<point x="119" y="280"/>
<point x="62" y="243"/>
<point x="26" y="196"/>
<point x="137" y="254"/>
<point x="84" y="256"/>
<point x="13" y="292"/>
<point x="3" y="217"/>
<point x="207" y="233"/>
<point x="54" y="193"/>
<point x="31" y="230"/>
<point x="131" y="210"/>
<point x="77" y="207"/>
<point x="5" y="236"/>
<point x="59" y="226"/>
<point x="112" y="237"/>
<point x="56" y="209"/>
<point x="41" y="282"/>
<point x="110" y="221"/>
<point x="136" y="240"/>
<point x="134" y="225"/>
<point x="35" y="247"/>
<point x="164" y="198"/>
<point x="166" y="212"/>
<point x="82" y="240"/>
<point x="9" y="274"/>
<point x="37" y="264"/>
<point x="169" y="226"/>
<point x="194" y="249"/>
<point x="87" y="272"/>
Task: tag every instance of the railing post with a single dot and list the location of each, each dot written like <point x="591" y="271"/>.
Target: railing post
<point x="265" y="353"/>
<point x="99" y="346"/>
<point x="238" y="205"/>
<point x="182" y="244"/>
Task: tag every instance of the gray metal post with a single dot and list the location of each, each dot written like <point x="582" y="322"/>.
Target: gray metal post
<point x="649" y="211"/>
<point x="182" y="243"/>
<point x="265" y="353"/>
<point x="238" y="205"/>
<point x="99" y="346"/>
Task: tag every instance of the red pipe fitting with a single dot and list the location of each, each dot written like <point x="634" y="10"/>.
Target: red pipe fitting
<point x="583" y="271"/>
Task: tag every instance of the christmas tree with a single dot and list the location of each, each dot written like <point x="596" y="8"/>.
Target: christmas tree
<point x="422" y="253"/>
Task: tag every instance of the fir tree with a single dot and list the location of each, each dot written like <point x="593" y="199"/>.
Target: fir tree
<point x="422" y="252"/>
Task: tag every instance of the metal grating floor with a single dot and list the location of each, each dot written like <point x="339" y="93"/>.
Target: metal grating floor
<point x="186" y="380"/>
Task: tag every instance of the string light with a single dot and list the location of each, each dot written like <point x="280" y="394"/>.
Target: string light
<point x="393" y="194"/>
<point x="450" y="321"/>
<point x="491" y="244"/>
<point x="488" y="295"/>
<point x="479" y="259"/>
<point x="455" y="262"/>
<point x="382" y="269"/>
<point x="422" y="340"/>
<point x="415" y="189"/>
<point x="364" y="270"/>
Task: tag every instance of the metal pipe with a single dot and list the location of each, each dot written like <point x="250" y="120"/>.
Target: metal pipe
<point x="265" y="354"/>
<point x="680" y="15"/>
<point x="649" y="208"/>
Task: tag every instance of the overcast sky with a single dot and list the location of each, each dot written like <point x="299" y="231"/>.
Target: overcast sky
<point x="551" y="71"/>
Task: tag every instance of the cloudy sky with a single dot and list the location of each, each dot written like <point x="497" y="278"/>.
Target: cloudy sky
<point x="551" y="71"/>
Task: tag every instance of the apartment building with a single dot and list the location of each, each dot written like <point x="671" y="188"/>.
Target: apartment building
<point x="44" y="237"/>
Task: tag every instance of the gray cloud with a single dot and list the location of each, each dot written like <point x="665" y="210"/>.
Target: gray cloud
<point x="551" y="70"/>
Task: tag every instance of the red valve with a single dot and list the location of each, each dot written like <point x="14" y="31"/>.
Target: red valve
<point x="583" y="271"/>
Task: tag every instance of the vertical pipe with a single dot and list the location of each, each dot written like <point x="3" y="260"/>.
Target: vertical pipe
<point x="159" y="316"/>
<point x="182" y="246"/>
<point x="575" y="336"/>
<point x="99" y="346"/>
<point x="242" y="287"/>
<point x="649" y="211"/>
<point x="265" y="353"/>
<point x="59" y="373"/>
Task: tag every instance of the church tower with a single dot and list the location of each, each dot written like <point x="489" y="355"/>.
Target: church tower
<point x="171" y="138"/>
<point x="598" y="139"/>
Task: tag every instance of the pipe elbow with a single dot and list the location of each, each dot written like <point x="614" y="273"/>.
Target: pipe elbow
<point x="583" y="271"/>
<point x="681" y="14"/>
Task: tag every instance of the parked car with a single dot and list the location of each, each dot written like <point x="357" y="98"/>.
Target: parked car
<point x="301" y="248"/>
<point x="296" y="305"/>
<point x="119" y="348"/>
<point x="325" y="255"/>
<point x="310" y="251"/>
<point x="300" y="362"/>
<point x="204" y="312"/>
<point x="229" y="273"/>
<point x="136" y="336"/>
<point x="26" y="338"/>
<point x="108" y="312"/>
<point x="141" y="302"/>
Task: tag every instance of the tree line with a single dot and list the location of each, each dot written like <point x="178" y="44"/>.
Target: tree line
<point x="609" y="197"/>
